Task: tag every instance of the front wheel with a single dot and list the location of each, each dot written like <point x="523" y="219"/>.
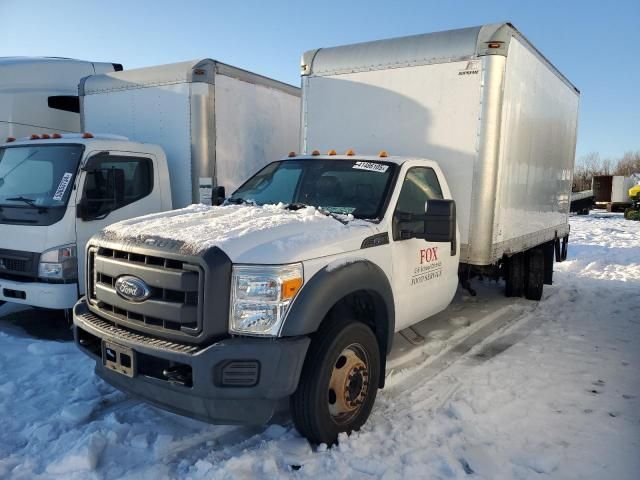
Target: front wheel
<point x="339" y="382"/>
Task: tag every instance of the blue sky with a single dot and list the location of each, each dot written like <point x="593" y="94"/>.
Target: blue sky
<point x="594" y="43"/>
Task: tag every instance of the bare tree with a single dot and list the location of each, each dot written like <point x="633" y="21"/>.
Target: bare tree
<point x="628" y="164"/>
<point x="586" y="167"/>
<point x="592" y="164"/>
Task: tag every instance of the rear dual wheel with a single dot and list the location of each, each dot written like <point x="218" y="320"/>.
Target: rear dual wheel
<point x="534" y="278"/>
<point x="514" y="277"/>
<point x="339" y="381"/>
<point x="525" y="274"/>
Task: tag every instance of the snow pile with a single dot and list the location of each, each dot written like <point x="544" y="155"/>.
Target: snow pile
<point x="554" y="393"/>
<point x="198" y="227"/>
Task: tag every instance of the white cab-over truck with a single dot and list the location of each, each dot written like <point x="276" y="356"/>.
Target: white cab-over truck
<point x="287" y="297"/>
<point x="198" y="126"/>
<point x="39" y="95"/>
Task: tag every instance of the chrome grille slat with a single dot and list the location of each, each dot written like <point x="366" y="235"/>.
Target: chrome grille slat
<point x="122" y="334"/>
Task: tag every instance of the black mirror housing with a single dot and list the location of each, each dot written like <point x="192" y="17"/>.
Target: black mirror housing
<point x="440" y="222"/>
<point x="219" y="195"/>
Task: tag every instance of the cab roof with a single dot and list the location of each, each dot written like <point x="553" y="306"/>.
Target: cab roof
<point x="97" y="141"/>
<point x="397" y="159"/>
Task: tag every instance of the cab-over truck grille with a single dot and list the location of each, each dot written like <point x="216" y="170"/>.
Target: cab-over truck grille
<point x="175" y="303"/>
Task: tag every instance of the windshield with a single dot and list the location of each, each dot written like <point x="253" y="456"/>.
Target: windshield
<point x="338" y="186"/>
<point x="38" y="176"/>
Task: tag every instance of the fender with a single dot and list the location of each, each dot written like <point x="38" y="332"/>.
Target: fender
<point x="327" y="287"/>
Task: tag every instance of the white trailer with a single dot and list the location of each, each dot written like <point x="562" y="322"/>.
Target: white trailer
<point x="40" y="94"/>
<point x="194" y="126"/>
<point x="483" y="102"/>
<point x="217" y="124"/>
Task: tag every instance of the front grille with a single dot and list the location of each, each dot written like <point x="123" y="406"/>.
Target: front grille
<point x="174" y="305"/>
<point x="15" y="263"/>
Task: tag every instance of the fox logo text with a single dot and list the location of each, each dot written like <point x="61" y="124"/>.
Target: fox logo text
<point x="428" y="255"/>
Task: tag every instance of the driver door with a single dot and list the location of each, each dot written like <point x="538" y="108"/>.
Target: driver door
<point x="424" y="273"/>
<point x="115" y="186"/>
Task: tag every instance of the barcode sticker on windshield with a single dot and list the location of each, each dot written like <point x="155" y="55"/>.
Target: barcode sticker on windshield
<point x="372" y="167"/>
<point x="64" y="184"/>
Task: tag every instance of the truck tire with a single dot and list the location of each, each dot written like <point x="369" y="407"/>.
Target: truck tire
<point x="534" y="278"/>
<point x="339" y="381"/>
<point x="514" y="278"/>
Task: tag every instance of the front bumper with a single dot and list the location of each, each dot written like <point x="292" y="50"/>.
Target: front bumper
<point x="205" y="397"/>
<point x="37" y="294"/>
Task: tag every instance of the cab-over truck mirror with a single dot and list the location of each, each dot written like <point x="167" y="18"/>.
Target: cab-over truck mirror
<point x="219" y="195"/>
<point x="104" y="190"/>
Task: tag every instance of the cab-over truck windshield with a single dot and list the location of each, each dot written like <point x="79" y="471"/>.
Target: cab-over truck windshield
<point x="38" y="176"/>
<point x="348" y="187"/>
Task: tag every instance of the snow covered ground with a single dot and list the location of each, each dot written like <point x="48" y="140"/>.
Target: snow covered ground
<point x="554" y="392"/>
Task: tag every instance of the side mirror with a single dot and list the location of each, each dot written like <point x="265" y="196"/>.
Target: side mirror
<point x="82" y="210"/>
<point x="106" y="194"/>
<point x="218" y="196"/>
<point x="440" y="222"/>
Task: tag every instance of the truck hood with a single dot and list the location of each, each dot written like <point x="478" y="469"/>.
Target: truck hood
<point x="246" y="233"/>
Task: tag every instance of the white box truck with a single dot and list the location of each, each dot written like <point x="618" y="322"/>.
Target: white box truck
<point x="197" y="126"/>
<point x="611" y="192"/>
<point x="39" y="95"/>
<point x="290" y="293"/>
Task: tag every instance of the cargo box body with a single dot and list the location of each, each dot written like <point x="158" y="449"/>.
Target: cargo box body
<point x="611" y="188"/>
<point x="217" y="124"/>
<point x="482" y="102"/>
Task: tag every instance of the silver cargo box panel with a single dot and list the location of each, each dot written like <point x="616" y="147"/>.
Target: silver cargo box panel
<point x="482" y="101"/>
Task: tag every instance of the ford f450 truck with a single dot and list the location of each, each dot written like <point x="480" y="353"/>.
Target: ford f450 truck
<point x="191" y="122"/>
<point x="290" y="293"/>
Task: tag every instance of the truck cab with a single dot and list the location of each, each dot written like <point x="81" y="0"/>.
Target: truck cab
<point x="289" y="294"/>
<point x="56" y="191"/>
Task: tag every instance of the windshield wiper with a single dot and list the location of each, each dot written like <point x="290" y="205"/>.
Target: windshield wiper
<point x="298" y="206"/>
<point x="240" y="200"/>
<point x="29" y="201"/>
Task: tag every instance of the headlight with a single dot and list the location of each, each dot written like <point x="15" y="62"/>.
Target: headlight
<point x="60" y="263"/>
<point x="260" y="297"/>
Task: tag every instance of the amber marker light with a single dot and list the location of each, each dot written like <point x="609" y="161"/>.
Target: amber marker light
<point x="290" y="287"/>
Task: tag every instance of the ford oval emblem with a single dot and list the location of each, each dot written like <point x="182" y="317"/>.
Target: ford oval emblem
<point x="132" y="288"/>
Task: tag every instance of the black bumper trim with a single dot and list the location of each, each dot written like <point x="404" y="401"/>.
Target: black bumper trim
<point x="280" y="361"/>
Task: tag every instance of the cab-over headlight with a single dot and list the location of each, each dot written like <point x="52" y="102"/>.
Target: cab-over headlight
<point x="260" y="297"/>
<point x="60" y="263"/>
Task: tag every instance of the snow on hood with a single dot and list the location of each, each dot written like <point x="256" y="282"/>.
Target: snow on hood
<point x="246" y="233"/>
